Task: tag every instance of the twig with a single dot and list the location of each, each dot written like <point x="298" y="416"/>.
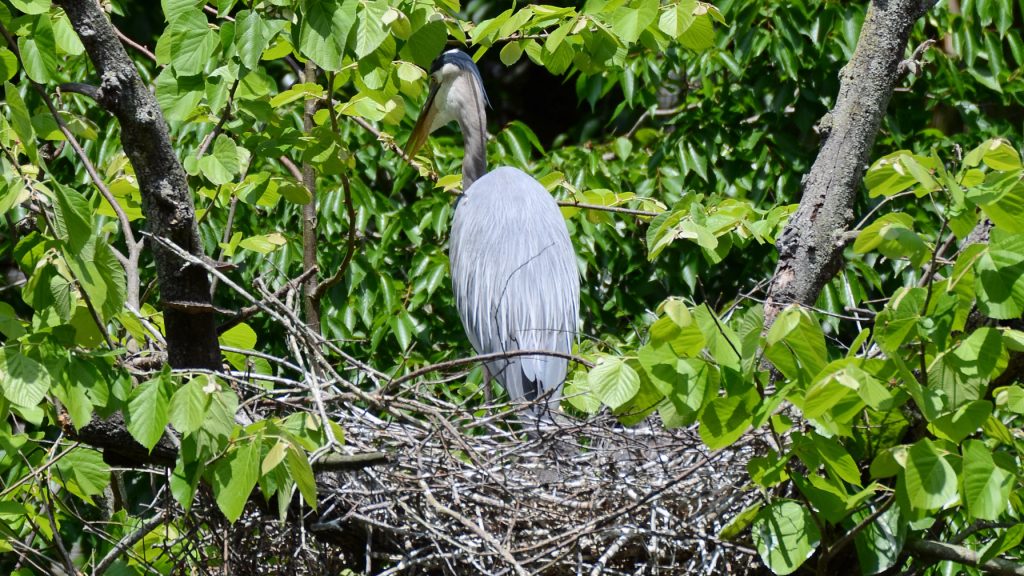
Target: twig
<point x="583" y="206"/>
<point x="142" y="49"/>
<point x="225" y="115"/>
<point x="479" y="359"/>
<point x="933" y="551"/>
<point x="213" y="11"/>
<point x="610" y="553"/>
<point x="350" y="211"/>
<point x="245" y="313"/>
<point x="337" y="462"/>
<point x="857" y="529"/>
<point x="310" y="236"/>
<point x="486" y="537"/>
<point x="285" y="317"/>
<point x="82" y="88"/>
<point x="128" y="541"/>
<point x="389" y="142"/>
<point x="292" y="168"/>
<point x="131" y="262"/>
<point x="326" y="285"/>
<point x="57" y="539"/>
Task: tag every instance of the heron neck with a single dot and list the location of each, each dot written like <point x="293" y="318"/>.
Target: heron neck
<point x="474" y="132"/>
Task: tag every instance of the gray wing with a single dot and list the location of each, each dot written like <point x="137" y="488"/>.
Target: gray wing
<point x="515" y="279"/>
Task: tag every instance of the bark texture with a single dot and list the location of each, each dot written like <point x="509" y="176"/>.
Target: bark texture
<point x="166" y="200"/>
<point x="811" y="246"/>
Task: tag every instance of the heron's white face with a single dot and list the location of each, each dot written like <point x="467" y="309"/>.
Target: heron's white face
<point x="455" y="93"/>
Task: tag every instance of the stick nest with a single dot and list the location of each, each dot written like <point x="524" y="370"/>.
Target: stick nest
<point x="492" y="492"/>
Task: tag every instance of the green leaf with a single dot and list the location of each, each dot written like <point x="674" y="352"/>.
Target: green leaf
<point x="10" y="325"/>
<point x="67" y="39"/>
<point x="249" y="38"/>
<point x="1005" y="204"/>
<point x="629" y="21"/>
<point x="112" y="276"/>
<point x="24" y="381"/>
<point x="724" y="420"/>
<point x="740" y="522"/>
<point x="893" y="236"/>
<point x="511" y="52"/>
<point x="962" y="423"/>
<point x="785" y="536"/>
<point x="796" y="344"/>
<point x="83" y="472"/>
<point x="1010" y="397"/>
<point x="962" y="374"/>
<point x="323" y="30"/>
<point x="370" y="30"/>
<point x="677" y="19"/>
<point x="222" y="165"/>
<point x="297" y="91"/>
<point x="887" y="176"/>
<point x="1006" y="540"/>
<point x="8" y="64"/>
<point x="1000" y="155"/>
<point x="73" y="391"/>
<point x="700" y="35"/>
<point x="836" y="459"/>
<point x="178" y="95"/>
<point x="62" y="291"/>
<point x="172" y="9"/>
<point x="302" y="473"/>
<point x="72" y="218"/>
<point x="264" y="243"/>
<point x="999" y="280"/>
<point x="147" y="415"/>
<point x="686" y="383"/>
<point x="614" y="381"/>
<point x="579" y="393"/>
<point x="219" y="423"/>
<point x="827" y="497"/>
<point x="32" y="6"/>
<point x="987" y="485"/>
<point x="21" y="121"/>
<point x="928" y="482"/>
<point x="235" y="476"/>
<point x="189" y="404"/>
<point x="274" y="456"/>
<point x="192" y="42"/>
<point x="879" y="544"/>
<point x="39" y="51"/>
<point x="768" y="471"/>
<point x="426" y="43"/>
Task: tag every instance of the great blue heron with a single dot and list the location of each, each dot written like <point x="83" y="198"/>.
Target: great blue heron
<point x="513" y="266"/>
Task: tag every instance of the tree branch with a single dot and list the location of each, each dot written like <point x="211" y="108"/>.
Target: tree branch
<point x="933" y="551"/>
<point x="166" y="199"/>
<point x="810" y="248"/>
<point x="310" y="301"/>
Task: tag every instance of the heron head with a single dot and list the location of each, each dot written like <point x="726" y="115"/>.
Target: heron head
<point x="456" y="93"/>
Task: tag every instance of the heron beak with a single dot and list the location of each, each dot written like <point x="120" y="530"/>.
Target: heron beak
<point x="423" y="124"/>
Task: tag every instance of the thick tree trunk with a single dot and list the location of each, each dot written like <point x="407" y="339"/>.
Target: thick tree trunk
<point x="811" y="246"/>
<point x="166" y="200"/>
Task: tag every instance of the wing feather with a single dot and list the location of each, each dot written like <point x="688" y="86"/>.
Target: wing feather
<point x="515" y="279"/>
